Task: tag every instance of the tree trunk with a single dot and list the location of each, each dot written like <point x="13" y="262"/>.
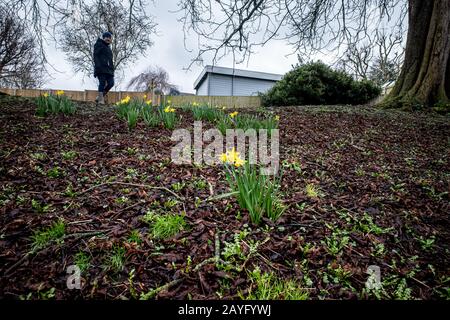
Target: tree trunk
<point x="425" y="76"/>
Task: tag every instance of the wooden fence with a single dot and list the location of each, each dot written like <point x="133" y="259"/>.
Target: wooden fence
<point x="115" y="96"/>
<point x="220" y="101"/>
<point x="86" y="95"/>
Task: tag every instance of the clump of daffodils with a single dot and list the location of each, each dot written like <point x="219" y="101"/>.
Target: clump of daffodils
<point x="168" y="117"/>
<point x="232" y="157"/>
<point x="254" y="191"/>
<point x="169" y="109"/>
<point x="124" y="100"/>
<point x="54" y="103"/>
<point x="234" y="114"/>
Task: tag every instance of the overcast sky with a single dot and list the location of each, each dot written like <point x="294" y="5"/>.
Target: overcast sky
<point x="169" y="53"/>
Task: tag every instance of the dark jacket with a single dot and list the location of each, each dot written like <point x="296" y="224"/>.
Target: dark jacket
<point x="103" y="58"/>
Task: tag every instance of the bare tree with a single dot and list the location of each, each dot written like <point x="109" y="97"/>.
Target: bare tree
<point x="45" y="18"/>
<point x="378" y="59"/>
<point x="131" y="34"/>
<point x="313" y="25"/>
<point x="152" y="79"/>
<point x="20" y="63"/>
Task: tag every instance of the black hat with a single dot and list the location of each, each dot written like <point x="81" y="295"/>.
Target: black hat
<point x="107" y="34"/>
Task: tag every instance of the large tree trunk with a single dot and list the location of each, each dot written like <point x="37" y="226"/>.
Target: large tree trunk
<point x="425" y="76"/>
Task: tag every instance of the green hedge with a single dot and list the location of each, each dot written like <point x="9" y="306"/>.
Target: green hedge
<point x="316" y="83"/>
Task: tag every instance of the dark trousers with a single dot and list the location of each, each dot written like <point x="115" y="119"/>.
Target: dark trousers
<point x="105" y="82"/>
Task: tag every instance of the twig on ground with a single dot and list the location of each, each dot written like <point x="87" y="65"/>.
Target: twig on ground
<point x="155" y="291"/>
<point x="131" y="185"/>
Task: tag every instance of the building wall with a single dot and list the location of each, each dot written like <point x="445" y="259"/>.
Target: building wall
<point x="220" y="85"/>
<point x="203" y="88"/>
<point x="224" y="85"/>
<point x="250" y="87"/>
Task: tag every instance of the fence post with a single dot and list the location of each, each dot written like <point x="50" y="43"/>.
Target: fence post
<point x="84" y="95"/>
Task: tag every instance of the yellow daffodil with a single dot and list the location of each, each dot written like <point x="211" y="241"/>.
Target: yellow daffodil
<point x="223" y="108"/>
<point x="148" y="102"/>
<point x="45" y="94"/>
<point x="232" y="157"/>
<point x="234" y="114"/>
<point x="238" y="162"/>
<point x="124" y="100"/>
<point x="223" y="157"/>
<point x="59" y="92"/>
<point x="277" y="118"/>
<point x="169" y="109"/>
<point x="145" y="96"/>
<point x="195" y="104"/>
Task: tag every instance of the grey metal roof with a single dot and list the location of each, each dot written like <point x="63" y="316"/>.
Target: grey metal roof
<point x="237" y="73"/>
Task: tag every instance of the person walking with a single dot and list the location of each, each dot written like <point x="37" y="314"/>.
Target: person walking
<point x="103" y="66"/>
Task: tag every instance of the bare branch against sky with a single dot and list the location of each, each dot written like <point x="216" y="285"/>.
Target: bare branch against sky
<point x="177" y="45"/>
<point x="309" y="26"/>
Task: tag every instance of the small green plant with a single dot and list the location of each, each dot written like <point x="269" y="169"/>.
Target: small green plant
<point x="121" y="200"/>
<point x="122" y="111"/>
<point x="42" y="105"/>
<point x="206" y="113"/>
<point x="149" y="217"/>
<point x="43" y="237"/>
<point x="224" y="123"/>
<point x="336" y="242"/>
<point x="47" y="295"/>
<point x="431" y="192"/>
<point x="311" y="191"/>
<point x="69" y="155"/>
<point x="151" y="118"/>
<point x="200" y="184"/>
<point x="233" y="251"/>
<point x="170" y="203"/>
<point x="38" y="156"/>
<point x="69" y="191"/>
<point x="367" y="226"/>
<point x="132" y="151"/>
<point x="166" y="226"/>
<point x="82" y="260"/>
<point x="294" y="165"/>
<point x="178" y="186"/>
<point x="426" y="244"/>
<point x="38" y="207"/>
<point x="116" y="258"/>
<point x="20" y="200"/>
<point x="135" y="237"/>
<point x="54" y="172"/>
<point x="132" y="118"/>
<point x="132" y="172"/>
<point x="266" y="286"/>
<point x="66" y="106"/>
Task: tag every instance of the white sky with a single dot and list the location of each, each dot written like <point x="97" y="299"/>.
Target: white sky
<point x="169" y="53"/>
